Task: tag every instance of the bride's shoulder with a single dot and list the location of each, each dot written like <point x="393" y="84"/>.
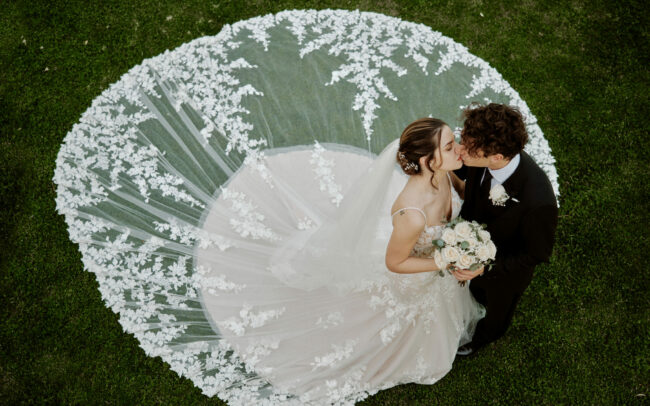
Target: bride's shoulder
<point x="408" y="211"/>
<point x="409" y="221"/>
<point x="404" y="199"/>
<point x="412" y="197"/>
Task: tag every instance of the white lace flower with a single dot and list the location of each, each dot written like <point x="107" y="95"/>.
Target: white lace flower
<point x="323" y="170"/>
<point x="248" y="318"/>
<point x="248" y="222"/>
<point x="333" y="319"/>
<point x="305" y="223"/>
<point x="498" y="195"/>
<point x="338" y="354"/>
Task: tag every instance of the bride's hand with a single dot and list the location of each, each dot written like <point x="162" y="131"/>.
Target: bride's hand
<point x="466" y="274"/>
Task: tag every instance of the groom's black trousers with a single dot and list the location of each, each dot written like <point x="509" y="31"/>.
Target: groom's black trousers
<point x="500" y="302"/>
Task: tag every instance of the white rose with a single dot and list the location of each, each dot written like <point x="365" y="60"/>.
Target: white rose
<point x="437" y="256"/>
<point x="463" y="230"/>
<point x="484" y="235"/>
<point x="450" y="254"/>
<point x="448" y="236"/>
<point x="483" y="252"/>
<point x="465" y="261"/>
<point x="493" y="249"/>
<point x="473" y="242"/>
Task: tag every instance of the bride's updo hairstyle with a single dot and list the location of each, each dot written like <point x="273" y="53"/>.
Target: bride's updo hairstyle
<point x="420" y="138"/>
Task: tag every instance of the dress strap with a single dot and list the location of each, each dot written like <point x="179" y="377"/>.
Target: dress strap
<point x="414" y="208"/>
<point x="451" y="184"/>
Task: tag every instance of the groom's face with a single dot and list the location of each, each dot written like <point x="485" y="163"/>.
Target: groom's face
<point x="478" y="158"/>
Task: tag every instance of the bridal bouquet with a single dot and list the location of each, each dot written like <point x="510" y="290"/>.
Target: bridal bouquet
<point x="465" y="245"/>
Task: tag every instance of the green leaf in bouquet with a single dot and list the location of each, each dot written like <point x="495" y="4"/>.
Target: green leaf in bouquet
<point x="464" y="245"/>
<point x="453" y="222"/>
<point x="439" y="243"/>
<point x="474" y="267"/>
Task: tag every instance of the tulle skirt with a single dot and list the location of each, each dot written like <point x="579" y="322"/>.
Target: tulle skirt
<point x="320" y="344"/>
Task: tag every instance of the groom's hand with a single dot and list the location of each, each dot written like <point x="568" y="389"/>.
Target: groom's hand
<point x="466" y="274"/>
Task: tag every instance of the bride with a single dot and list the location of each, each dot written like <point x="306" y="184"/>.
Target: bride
<point x="427" y="152"/>
<point x="356" y="304"/>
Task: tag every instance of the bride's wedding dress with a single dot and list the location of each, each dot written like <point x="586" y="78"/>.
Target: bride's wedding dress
<point x="218" y="193"/>
<point x="321" y="344"/>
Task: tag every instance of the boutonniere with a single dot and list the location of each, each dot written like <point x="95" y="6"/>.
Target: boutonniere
<point x="499" y="196"/>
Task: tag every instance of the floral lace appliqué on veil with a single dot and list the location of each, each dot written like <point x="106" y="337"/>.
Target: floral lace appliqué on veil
<point x="182" y="179"/>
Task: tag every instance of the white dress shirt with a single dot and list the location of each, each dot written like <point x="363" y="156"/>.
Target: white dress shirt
<point x="501" y="175"/>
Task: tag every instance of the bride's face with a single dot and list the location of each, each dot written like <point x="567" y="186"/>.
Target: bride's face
<point x="448" y="151"/>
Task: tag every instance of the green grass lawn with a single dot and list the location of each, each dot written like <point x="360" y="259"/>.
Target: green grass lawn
<point x="580" y="334"/>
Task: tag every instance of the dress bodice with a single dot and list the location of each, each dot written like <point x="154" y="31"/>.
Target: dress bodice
<point x="423" y="248"/>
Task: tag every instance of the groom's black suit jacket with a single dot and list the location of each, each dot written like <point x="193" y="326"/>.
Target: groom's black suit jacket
<point x="523" y="230"/>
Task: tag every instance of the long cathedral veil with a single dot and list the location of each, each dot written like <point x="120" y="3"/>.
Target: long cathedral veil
<point x="221" y="191"/>
<point x="348" y="248"/>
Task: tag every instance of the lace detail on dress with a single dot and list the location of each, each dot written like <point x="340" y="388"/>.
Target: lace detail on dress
<point x="413" y="298"/>
<point x="248" y="222"/>
<point x="247" y="318"/>
<point x="323" y="170"/>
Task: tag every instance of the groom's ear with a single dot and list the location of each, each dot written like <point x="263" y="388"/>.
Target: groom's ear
<point x="496" y="158"/>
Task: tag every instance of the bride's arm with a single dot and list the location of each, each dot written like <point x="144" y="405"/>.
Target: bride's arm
<point x="406" y="231"/>
<point x="459" y="185"/>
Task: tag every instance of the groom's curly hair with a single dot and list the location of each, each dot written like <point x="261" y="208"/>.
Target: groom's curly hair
<point x="493" y="129"/>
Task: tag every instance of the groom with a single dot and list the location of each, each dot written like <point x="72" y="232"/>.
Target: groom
<point x="506" y="190"/>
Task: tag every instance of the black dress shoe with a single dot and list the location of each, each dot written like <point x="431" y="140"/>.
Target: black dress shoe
<point x="465" y="350"/>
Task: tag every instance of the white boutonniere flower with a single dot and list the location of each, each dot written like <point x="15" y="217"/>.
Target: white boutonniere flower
<point x="498" y="195"/>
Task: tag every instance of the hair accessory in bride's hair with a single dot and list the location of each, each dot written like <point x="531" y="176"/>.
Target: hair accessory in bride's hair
<point x="412" y="165"/>
<point x="406" y="164"/>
